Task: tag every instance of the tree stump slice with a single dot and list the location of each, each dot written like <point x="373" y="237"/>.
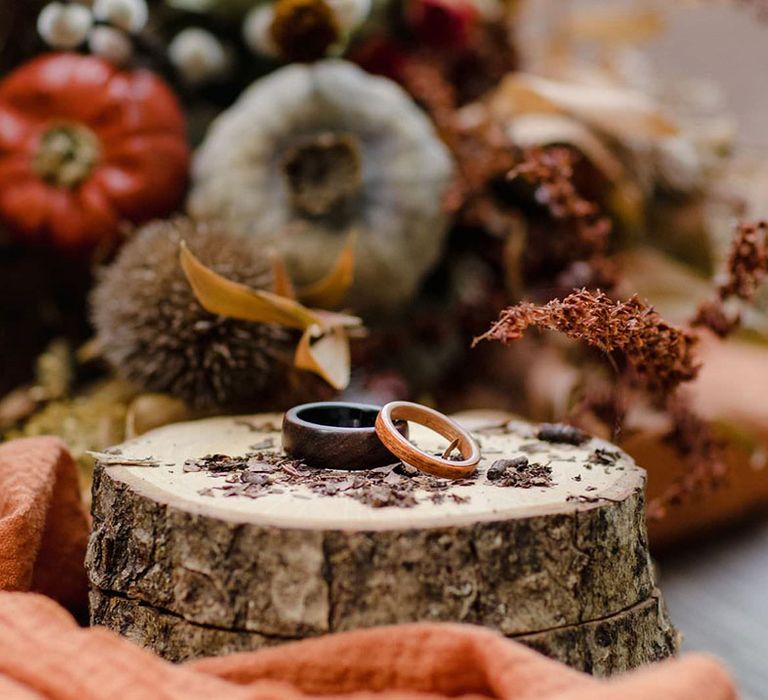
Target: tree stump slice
<point x="181" y="567"/>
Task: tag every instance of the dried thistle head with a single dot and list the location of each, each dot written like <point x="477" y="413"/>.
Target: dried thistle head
<point x="155" y="333"/>
<point x="660" y="354"/>
<point x="304" y="30"/>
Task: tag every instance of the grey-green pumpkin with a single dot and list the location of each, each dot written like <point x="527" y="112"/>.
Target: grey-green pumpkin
<point x="314" y="152"/>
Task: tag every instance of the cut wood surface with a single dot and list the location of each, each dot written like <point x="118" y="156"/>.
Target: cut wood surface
<point x="186" y="563"/>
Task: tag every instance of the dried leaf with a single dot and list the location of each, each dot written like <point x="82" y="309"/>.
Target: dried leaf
<point x="330" y="291"/>
<point x="90" y="350"/>
<point x="324" y="346"/>
<point x="222" y="296"/>
<point x="281" y="281"/>
<point x="538" y="129"/>
<point x="325" y="354"/>
<point x="620" y="112"/>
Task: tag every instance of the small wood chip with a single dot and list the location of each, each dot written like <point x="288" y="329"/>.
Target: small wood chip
<point x="111" y="460"/>
<point x="560" y="432"/>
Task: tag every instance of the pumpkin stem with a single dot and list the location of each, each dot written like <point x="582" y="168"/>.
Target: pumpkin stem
<point x="323" y="172"/>
<point x="66" y="154"/>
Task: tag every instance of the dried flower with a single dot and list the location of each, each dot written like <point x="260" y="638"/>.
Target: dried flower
<point x="660" y="354"/>
<point x="482" y="152"/>
<point x="747" y="261"/>
<point x="156" y="334"/>
<point x="442" y="24"/>
<point x="550" y="170"/>
<point x="712" y="314"/>
<point x="692" y="437"/>
<point x="304" y="30"/>
<point x="746" y="269"/>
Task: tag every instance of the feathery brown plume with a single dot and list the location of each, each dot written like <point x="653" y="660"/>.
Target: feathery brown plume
<point x="482" y="152"/>
<point x="747" y="261"/>
<point x="712" y="314"/>
<point x="692" y="437"/>
<point x="550" y="171"/>
<point x="746" y="269"/>
<point x="659" y="353"/>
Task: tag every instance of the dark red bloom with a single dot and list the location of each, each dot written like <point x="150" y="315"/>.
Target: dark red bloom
<point x="381" y="55"/>
<point x="442" y="24"/>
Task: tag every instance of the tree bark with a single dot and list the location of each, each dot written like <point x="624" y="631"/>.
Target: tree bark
<point x="563" y="568"/>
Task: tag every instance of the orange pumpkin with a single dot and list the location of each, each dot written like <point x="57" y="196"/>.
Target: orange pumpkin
<point x="85" y="146"/>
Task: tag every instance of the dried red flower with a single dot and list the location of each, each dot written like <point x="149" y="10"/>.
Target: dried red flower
<point x="381" y="55"/>
<point x="746" y="269"/>
<point x="660" y="354"/>
<point x="713" y="315"/>
<point x="550" y="170"/>
<point x="692" y="437"/>
<point x="442" y="24"/>
<point x="747" y="261"/>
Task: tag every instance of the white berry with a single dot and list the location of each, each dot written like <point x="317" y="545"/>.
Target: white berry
<point x="350" y="13"/>
<point x="198" y="55"/>
<point x="111" y="44"/>
<point x="256" y="31"/>
<point x="64" y="26"/>
<point x="128" y="15"/>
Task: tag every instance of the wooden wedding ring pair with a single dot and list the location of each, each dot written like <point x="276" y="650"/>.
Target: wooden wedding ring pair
<point x="358" y="436"/>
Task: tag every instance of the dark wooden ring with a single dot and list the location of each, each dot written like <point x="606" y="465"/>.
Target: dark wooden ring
<point x="336" y="435"/>
<point x="410" y="454"/>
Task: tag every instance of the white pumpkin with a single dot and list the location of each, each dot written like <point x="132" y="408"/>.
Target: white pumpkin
<point x="311" y="153"/>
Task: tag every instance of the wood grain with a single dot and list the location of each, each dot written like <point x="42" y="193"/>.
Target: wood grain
<point x="432" y="420"/>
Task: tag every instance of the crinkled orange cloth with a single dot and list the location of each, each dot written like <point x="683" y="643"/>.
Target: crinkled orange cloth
<point x="45" y="654"/>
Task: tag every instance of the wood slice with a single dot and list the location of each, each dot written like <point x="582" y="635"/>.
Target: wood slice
<point x="187" y="564"/>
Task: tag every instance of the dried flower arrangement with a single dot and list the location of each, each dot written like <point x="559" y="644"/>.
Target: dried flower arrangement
<point x="399" y="159"/>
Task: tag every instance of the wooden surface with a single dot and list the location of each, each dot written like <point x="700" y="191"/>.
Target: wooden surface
<point x="717" y="593"/>
<point x="172" y="445"/>
<point x="563" y="567"/>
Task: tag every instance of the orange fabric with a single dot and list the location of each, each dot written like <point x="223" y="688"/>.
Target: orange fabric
<point x="44" y="654"/>
<point x="43" y="523"/>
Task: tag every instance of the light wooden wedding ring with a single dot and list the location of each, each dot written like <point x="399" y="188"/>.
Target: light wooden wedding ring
<point x="408" y="453"/>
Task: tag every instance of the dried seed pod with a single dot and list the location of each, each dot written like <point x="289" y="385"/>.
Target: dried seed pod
<point x="156" y="334"/>
<point x="313" y="152"/>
